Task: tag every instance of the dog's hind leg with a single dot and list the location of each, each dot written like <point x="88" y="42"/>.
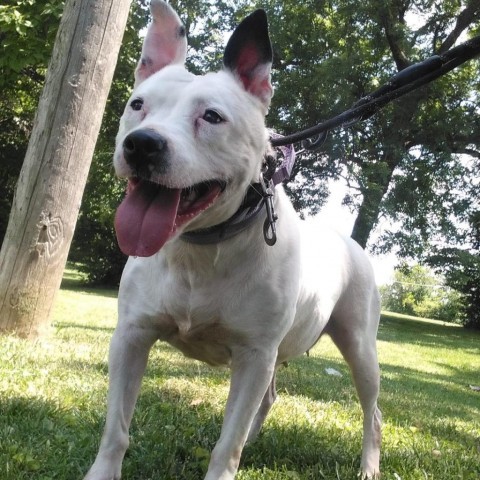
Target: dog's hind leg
<point x="357" y="342"/>
<point x="265" y="406"/>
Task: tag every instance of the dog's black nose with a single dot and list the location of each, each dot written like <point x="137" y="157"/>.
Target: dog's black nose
<point x="145" y="151"/>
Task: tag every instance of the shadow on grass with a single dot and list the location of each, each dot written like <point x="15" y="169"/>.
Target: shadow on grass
<point x="84" y="288"/>
<point x="172" y="432"/>
<point x="171" y="437"/>
<point x="415" y="331"/>
<point x="70" y="325"/>
<point x="43" y="440"/>
<point x="408" y="396"/>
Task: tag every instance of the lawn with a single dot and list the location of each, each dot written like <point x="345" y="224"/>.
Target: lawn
<point x="52" y="405"/>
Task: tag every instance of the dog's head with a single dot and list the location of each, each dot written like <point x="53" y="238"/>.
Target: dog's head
<point x="190" y="145"/>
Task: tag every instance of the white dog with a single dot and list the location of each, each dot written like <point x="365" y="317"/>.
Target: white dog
<point x="200" y="275"/>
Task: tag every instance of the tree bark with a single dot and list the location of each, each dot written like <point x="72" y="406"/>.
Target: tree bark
<point x="55" y="169"/>
<point x="377" y="178"/>
<point x="368" y="213"/>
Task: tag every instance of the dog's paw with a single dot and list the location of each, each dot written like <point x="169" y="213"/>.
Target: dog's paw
<point x="369" y="475"/>
<point x="99" y="472"/>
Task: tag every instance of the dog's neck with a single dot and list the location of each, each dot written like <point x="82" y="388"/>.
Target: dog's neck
<point x="258" y="196"/>
<point x="251" y="207"/>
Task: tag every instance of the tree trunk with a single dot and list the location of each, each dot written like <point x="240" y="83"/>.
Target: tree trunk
<point x="369" y="211"/>
<point x="55" y="169"/>
<point x="377" y="177"/>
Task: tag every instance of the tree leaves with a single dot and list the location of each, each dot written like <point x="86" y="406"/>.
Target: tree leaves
<point x="406" y="163"/>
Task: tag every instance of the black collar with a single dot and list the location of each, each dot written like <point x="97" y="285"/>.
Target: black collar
<point x="249" y="210"/>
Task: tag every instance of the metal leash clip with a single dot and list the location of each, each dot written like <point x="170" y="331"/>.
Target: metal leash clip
<point x="269" y="227"/>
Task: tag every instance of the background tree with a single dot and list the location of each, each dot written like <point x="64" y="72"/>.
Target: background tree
<point x="461" y="267"/>
<point x="416" y="290"/>
<point x="52" y="179"/>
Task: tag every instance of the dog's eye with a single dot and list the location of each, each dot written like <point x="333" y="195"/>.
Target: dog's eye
<point x="136" y="104"/>
<point x="212" y="116"/>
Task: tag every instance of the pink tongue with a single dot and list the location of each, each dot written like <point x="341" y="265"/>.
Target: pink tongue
<point x="145" y="219"/>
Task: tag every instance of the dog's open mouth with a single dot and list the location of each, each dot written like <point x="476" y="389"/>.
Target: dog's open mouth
<point x="151" y="213"/>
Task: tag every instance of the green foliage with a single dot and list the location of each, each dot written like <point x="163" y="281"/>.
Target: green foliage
<point x="27" y="33"/>
<point x="418" y="291"/>
<point x="406" y="164"/>
<point x="462" y="272"/>
<point x="28" y="30"/>
<point x="53" y="394"/>
<point x="207" y="23"/>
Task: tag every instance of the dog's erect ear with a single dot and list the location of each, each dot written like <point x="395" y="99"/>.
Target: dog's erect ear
<point x="165" y="42"/>
<point x="248" y="55"/>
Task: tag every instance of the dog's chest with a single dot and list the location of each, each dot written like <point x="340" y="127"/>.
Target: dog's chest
<point x="208" y="342"/>
<point x="193" y="320"/>
<point x="199" y="333"/>
<point x="199" y="303"/>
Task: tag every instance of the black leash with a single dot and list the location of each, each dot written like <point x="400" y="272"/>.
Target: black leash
<point x="403" y="82"/>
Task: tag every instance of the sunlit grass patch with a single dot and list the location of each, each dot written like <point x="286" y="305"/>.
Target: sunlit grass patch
<point x="53" y="393"/>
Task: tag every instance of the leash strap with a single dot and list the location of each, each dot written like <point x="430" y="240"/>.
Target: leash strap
<point x="403" y="82"/>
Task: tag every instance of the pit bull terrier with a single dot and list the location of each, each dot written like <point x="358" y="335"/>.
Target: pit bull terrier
<point x="200" y="274"/>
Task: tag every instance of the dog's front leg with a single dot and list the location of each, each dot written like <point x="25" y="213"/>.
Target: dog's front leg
<point x="129" y="349"/>
<point x="252" y="372"/>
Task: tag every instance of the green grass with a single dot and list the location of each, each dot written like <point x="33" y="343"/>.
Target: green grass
<point x="52" y="405"/>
